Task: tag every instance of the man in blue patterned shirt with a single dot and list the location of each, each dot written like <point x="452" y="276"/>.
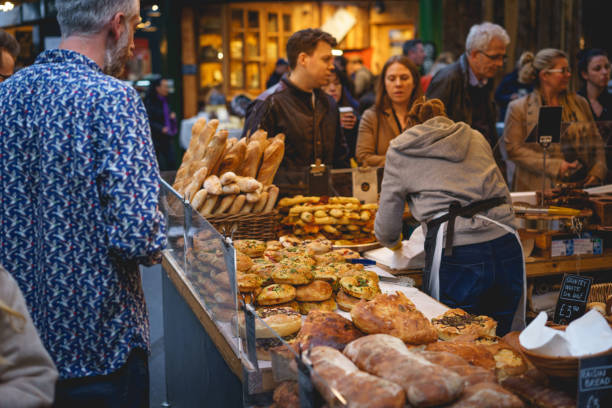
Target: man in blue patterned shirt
<point x="79" y="187"/>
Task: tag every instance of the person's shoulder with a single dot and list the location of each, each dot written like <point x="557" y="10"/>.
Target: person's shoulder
<point x="7" y="285"/>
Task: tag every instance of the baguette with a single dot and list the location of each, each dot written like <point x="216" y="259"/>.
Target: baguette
<point x="196" y="129"/>
<point x="234" y="157"/>
<point x="229" y="143"/>
<point x="237" y="204"/>
<point x="225" y="203"/>
<point x="213" y="185"/>
<point x="196" y="183"/>
<point x="251" y="160"/>
<point x="231" y="189"/>
<point x="207" y="134"/>
<point x="246" y="208"/>
<point x="272" y="196"/>
<point x="259" y="205"/>
<point x="272" y="158"/>
<point x="253" y="197"/>
<point x="209" y="205"/>
<point x="193" y="167"/>
<point x="260" y="136"/>
<point x="198" y="199"/>
<point x="215" y="149"/>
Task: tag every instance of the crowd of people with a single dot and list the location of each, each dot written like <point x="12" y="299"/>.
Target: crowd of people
<point x="79" y="184"/>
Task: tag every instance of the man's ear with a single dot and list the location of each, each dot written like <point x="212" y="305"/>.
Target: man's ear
<point x="301" y="59"/>
<point x="117" y="25"/>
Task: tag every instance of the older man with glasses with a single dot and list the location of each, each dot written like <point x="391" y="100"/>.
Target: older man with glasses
<point x="9" y="50"/>
<point x="465" y="86"/>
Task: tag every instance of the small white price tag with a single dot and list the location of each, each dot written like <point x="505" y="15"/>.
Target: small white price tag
<point x="365" y="185"/>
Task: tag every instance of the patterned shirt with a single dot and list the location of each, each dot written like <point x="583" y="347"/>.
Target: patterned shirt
<point x="79" y="187"/>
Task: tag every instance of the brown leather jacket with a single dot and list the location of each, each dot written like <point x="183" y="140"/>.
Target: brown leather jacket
<point x="310" y="133"/>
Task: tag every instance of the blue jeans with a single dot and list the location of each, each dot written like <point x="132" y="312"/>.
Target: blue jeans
<point x="127" y="387"/>
<point x="484" y="279"/>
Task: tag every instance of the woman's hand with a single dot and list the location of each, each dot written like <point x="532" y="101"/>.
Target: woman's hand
<point x="568" y="168"/>
<point x="348" y="120"/>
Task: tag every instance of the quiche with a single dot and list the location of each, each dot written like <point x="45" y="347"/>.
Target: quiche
<point x="457" y="322"/>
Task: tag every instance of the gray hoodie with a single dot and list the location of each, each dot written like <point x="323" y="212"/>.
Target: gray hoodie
<point x="433" y="164"/>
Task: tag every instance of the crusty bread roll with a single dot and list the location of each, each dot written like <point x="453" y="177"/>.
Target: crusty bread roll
<point x="228" y="178"/>
<point x="208" y="205"/>
<point x="233" y="188"/>
<point x="599" y="306"/>
<point x="213" y="185"/>
<point x="252" y="160"/>
<point x="196" y="183"/>
<point x="237" y="204"/>
<point x="272" y="158"/>
<point x="426" y="384"/>
<point x="272" y="196"/>
<point x="337" y="373"/>
<point x="226" y="202"/>
<point x="253" y="197"/>
<point x="316" y="291"/>
<point x="247" y="207"/>
<point x="259" y="205"/>
<point x="484" y="394"/>
<point x="248" y="184"/>
<point x="234" y="157"/>
<point x="198" y="199"/>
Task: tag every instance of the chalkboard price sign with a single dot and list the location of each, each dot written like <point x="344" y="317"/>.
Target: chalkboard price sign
<point x="573" y="297"/>
<point x="595" y="382"/>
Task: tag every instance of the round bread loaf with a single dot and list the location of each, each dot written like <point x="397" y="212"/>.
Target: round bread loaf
<point x="345" y="301"/>
<point x="248" y="282"/>
<point x="316" y="291"/>
<point x="361" y="286"/>
<point x="293" y="274"/>
<point x="599" y="306"/>
<point x="275" y="294"/>
<point x="243" y="262"/>
<point x="251" y="247"/>
<point x="328" y="305"/>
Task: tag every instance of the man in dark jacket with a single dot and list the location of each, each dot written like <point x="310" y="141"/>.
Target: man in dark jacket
<point x="466" y="85"/>
<point x="297" y="107"/>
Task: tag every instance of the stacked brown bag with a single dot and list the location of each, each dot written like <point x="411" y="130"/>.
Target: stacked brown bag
<point x="229" y="176"/>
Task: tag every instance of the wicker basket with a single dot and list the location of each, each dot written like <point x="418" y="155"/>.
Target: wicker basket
<point x="262" y="226"/>
<point x="600" y="292"/>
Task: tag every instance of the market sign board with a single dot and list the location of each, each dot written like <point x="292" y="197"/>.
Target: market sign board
<point x="595" y="382"/>
<point x="573" y="298"/>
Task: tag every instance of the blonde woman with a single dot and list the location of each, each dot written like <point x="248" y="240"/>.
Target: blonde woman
<point x="580" y="155"/>
<point x="27" y="374"/>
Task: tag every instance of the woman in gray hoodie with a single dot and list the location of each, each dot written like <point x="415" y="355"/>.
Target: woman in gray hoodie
<point x="439" y="167"/>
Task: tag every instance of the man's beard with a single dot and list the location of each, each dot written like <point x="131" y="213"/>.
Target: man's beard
<point x="117" y="55"/>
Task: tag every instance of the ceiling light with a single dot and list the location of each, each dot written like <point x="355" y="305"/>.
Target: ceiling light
<point x="337" y="53"/>
<point x="7" y="6"/>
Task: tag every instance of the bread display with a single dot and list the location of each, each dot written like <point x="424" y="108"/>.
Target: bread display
<point x="228" y="170"/>
<point x="393" y="314"/>
<point x="342" y="219"/>
<point x="335" y="372"/>
<point x="455" y="322"/>
<point x="426" y="384"/>
<point x="487" y="395"/>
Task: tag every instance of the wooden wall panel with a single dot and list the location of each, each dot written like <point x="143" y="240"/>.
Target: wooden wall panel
<point x="189" y="57"/>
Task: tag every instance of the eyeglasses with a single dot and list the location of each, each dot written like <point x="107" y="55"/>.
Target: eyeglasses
<point x="564" y="70"/>
<point x="499" y="57"/>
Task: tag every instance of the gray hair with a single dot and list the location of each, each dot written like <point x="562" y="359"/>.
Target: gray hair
<point x="480" y="36"/>
<point x="90" y="16"/>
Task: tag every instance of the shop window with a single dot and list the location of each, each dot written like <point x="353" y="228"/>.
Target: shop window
<point x="210" y="49"/>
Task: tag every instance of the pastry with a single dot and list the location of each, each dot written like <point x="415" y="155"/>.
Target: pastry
<point x="328" y="305"/>
<point x="316" y="291"/>
<point x="345" y="301"/>
<point x="361" y="286"/>
<point x="248" y="282"/>
<point x="251" y="247"/>
<point x="476" y="354"/>
<point x="243" y="262"/>
<point x="275" y="294"/>
<point x="293" y="273"/>
<point x="322" y="328"/>
<point x="395" y="315"/>
<point x="455" y="322"/>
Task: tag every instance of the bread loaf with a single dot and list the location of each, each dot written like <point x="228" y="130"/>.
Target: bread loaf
<point x="253" y="197"/>
<point x="233" y="188"/>
<point x="471" y="374"/>
<point x="215" y="149"/>
<point x="359" y="389"/>
<point x="272" y="158"/>
<point x="196" y="129"/>
<point x="272" y="196"/>
<point x="237" y="204"/>
<point x="487" y="395"/>
<point x="198" y="199"/>
<point x="213" y="185"/>
<point x="426" y="384"/>
<point x="252" y="159"/>
<point x="536" y="394"/>
<point x="196" y="183"/>
<point x="248" y="184"/>
<point x="260" y="136"/>
<point x="473" y="353"/>
<point x="228" y="178"/>
<point x="234" y="157"/>
<point x="225" y="203"/>
<point x="230" y="142"/>
<point x="260" y="204"/>
<point x="209" y="205"/>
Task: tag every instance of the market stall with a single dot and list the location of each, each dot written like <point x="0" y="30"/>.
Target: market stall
<point x="270" y="301"/>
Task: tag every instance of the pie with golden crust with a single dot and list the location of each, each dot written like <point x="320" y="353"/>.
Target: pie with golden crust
<point x="248" y="282"/>
<point x="293" y="274"/>
<point x="396" y="315"/>
<point x="360" y="286"/>
<point x="345" y="301"/>
<point x="251" y="247"/>
<point x="456" y="322"/>
<point x="316" y="291"/>
<point x="276" y="294"/>
<point x="326" y="305"/>
<point x="243" y="262"/>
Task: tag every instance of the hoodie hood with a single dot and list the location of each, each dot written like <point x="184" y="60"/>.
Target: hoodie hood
<point x="439" y="138"/>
